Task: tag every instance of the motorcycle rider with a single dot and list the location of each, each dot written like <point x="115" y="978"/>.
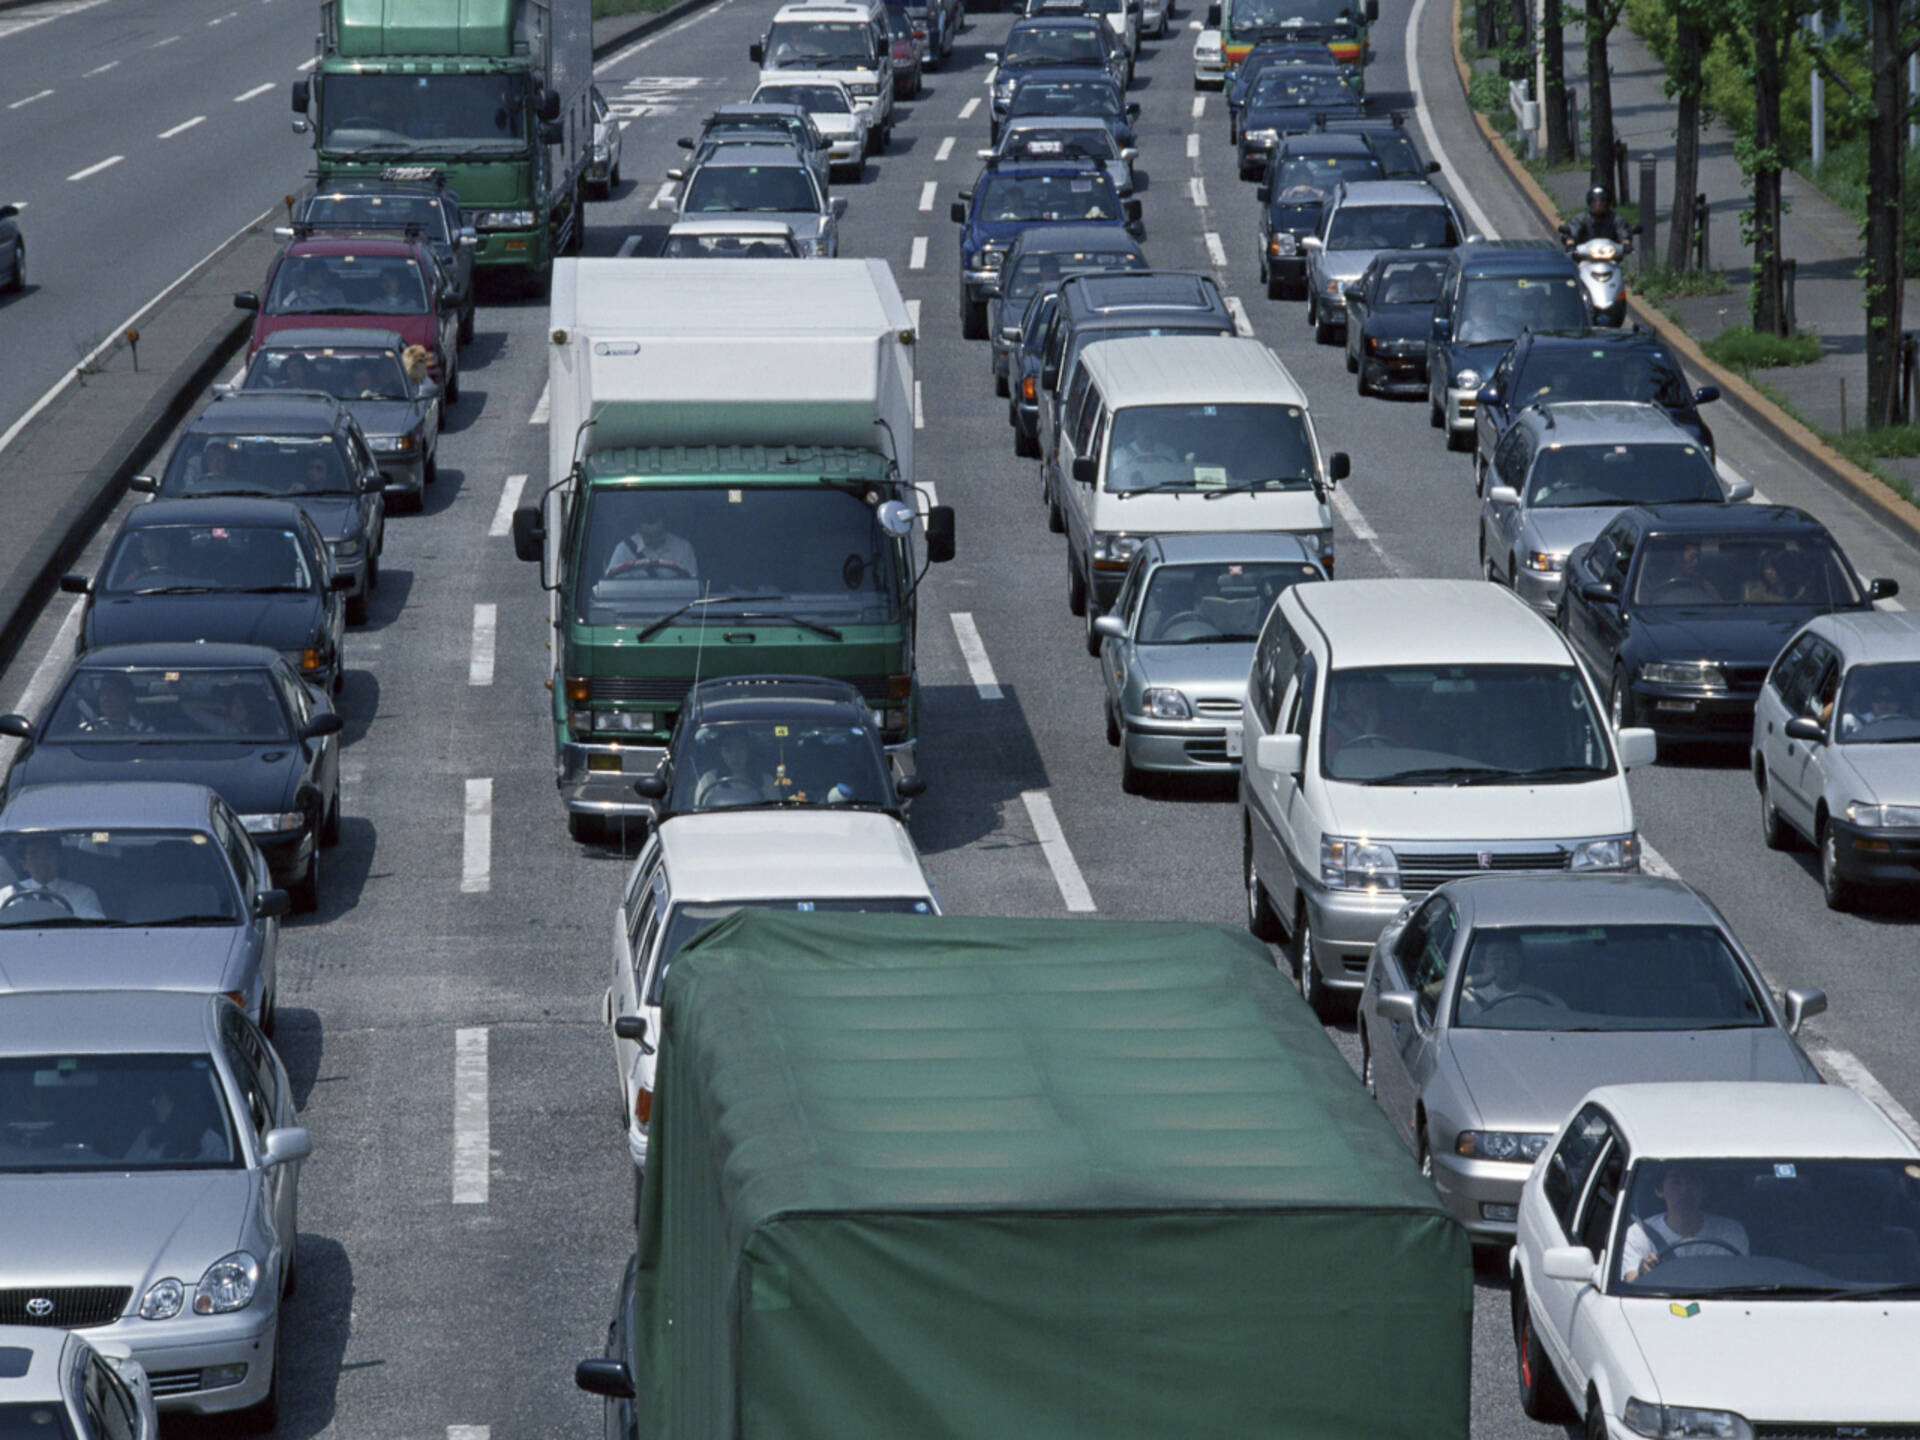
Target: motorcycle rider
<point x="1600" y="222"/>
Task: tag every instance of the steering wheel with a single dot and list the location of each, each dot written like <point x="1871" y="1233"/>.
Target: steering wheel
<point x="1534" y="995"/>
<point x="732" y="791"/>
<point x="30" y="897"/>
<point x="653" y="565"/>
<point x="1664" y="1251"/>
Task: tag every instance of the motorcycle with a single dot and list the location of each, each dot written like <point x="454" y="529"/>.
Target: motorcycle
<point x="1603" y="276"/>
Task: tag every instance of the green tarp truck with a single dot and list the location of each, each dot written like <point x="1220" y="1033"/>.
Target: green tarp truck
<point x="923" y="1178"/>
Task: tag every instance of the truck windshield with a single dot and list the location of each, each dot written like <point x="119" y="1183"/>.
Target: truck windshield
<point x="687" y="921"/>
<point x="1282" y="16"/>
<point x="398" y="114"/>
<point x="811" y="552"/>
<point x="1210" y="447"/>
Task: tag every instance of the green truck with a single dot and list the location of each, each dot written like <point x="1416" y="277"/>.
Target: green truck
<point x="730" y="492"/>
<point x="494" y="95"/>
<point x="1061" y="1180"/>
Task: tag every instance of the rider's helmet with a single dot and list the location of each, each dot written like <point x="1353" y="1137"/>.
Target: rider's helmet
<point x="1599" y="200"/>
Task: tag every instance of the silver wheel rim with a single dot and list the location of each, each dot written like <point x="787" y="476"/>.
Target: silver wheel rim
<point x="1829" y="862"/>
<point x="1309" y="976"/>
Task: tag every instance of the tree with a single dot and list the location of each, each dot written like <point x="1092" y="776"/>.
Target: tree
<point x="1553" y="49"/>
<point x="1597" y="18"/>
<point x="1686" y="83"/>
<point x="1769" y="26"/>
<point x="1894" y="37"/>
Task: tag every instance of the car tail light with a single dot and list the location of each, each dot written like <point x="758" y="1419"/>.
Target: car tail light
<point x="1027" y="390"/>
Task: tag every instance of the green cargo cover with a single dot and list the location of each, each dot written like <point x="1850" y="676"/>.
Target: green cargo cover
<point x="1016" y="1179"/>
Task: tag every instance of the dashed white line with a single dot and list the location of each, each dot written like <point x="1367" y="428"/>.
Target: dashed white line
<point x="306" y="65"/>
<point x="476" y="839"/>
<point x="509" y="502"/>
<point x="629" y="245"/>
<point x="662" y="196"/>
<point x="469" y="1432"/>
<point x="946" y="149"/>
<point x="933" y="495"/>
<point x="1216" y="252"/>
<point x="181" y="128"/>
<point x="1053" y="845"/>
<point x="1193" y="145"/>
<point x="159" y="43"/>
<point x="1241" y="324"/>
<point x="973" y="650"/>
<point x="540" y="406"/>
<point x="106" y="164"/>
<point x="37" y="95"/>
<point x="219" y="19"/>
<point x="919" y="410"/>
<point x="913" y="313"/>
<point x="254" y="94"/>
<point x="1197" y="189"/>
<point x="927" y="193"/>
<point x="472" y="1131"/>
<point x="917" y="255"/>
<point x="1199" y="106"/>
<point x="486" y="626"/>
<point x="966" y="110"/>
<point x="99" y="70"/>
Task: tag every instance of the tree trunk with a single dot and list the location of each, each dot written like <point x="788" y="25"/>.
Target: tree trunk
<point x="1486" y="24"/>
<point x="1687" y="85"/>
<point x="1600" y="100"/>
<point x="1767" y="298"/>
<point x="1886" y="226"/>
<point x="1553" y="52"/>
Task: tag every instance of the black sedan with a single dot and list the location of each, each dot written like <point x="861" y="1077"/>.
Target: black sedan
<point x="1680" y="609"/>
<point x="13" y="249"/>
<point x="1287" y="99"/>
<point x="233" y="571"/>
<point x="774" y="742"/>
<point x="1260" y="59"/>
<point x="1389" y="315"/>
<point x="235" y="718"/>
<point x="1300" y="174"/>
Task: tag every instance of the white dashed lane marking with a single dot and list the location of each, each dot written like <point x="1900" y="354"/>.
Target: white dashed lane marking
<point x="1059" y="855"/>
<point x="946" y="149"/>
<point x="476" y="839"/>
<point x="486" y="625"/>
<point x="106" y="164"/>
<point x="509" y="502"/>
<point x="1216" y="252"/>
<point x="973" y="650"/>
<point x="927" y="193"/>
<point x="254" y="94"/>
<point x="917" y="256"/>
<point x="181" y="128"/>
<point x="472" y="1130"/>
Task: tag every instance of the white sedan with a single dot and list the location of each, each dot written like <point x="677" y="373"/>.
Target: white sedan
<point x="1726" y="1259"/>
<point x="833" y="110"/>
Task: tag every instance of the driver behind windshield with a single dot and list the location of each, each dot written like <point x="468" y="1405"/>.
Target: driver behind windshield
<point x="654" y="551"/>
<point x="40" y="881"/>
<point x="1685" y="1227"/>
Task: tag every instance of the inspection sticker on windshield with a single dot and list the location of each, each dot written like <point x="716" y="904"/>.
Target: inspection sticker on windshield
<point x="1783" y="1172"/>
<point x="1687" y="1311"/>
<point x="1209" y="475"/>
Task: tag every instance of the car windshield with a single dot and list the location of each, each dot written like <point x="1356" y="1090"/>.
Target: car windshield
<point x="828" y="44"/>
<point x="347" y="285"/>
<point x="236" y="707"/>
<point x="186" y="559"/>
<point x="1408" y="282"/>
<point x="57" y="878"/>
<point x="1041" y="44"/>
<point x="113" y="1113"/>
<point x="344" y="212"/>
<point x="1046" y="271"/>
<point x="733" y="763"/>
<point x="1089" y="196"/>
<point x="1499" y="307"/>
<point x="686" y="921"/>
<point x="1287" y="86"/>
<point x="340" y="371"/>
<point x="1571" y="475"/>
<point x="899" y="24"/>
<point x="767" y="189"/>
<point x="1392" y="227"/>
<point x="1214" y="603"/>
<point x="1880" y="704"/>
<point x="1210" y="447"/>
<point x="1774" y="1226"/>
<point x="729" y="247"/>
<point x="1048" y="142"/>
<point x="1312" y="177"/>
<point x="1706" y="569"/>
<point x="1554" y="373"/>
<point x="1065" y="97"/>
<point x="1461" y="725"/>
<point x="1605" y="977"/>
<point x="424" y="113"/>
<point x="273" y="465"/>
<point x="728" y="553"/>
<point x="814" y="99"/>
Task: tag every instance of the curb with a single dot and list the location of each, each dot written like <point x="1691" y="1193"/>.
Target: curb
<point x="1862" y="485"/>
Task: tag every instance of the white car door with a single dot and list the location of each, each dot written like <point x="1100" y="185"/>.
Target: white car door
<point x="1592" y="1154"/>
<point x="635" y="925"/>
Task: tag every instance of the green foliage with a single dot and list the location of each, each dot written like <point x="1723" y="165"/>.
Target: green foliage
<point x="1658" y="283"/>
<point x="1843" y="180"/>
<point x="1488" y="93"/>
<point x="1742" y="349"/>
<point x="1896" y="441"/>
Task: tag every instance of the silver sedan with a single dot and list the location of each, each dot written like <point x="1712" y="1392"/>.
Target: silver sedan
<point x="1177" y="645"/>
<point x="1494" y="1004"/>
<point x="149" y="1176"/>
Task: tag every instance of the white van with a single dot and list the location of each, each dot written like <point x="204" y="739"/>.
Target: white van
<point x="1403" y="733"/>
<point x="848" y="38"/>
<point x="1179" y="434"/>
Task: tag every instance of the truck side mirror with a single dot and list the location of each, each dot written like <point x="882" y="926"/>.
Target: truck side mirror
<point x="1339" y="465"/>
<point x="1213" y="16"/>
<point x="911" y="786"/>
<point x="302" y="92"/>
<point x="529" y="532"/>
<point x="651" y="787"/>
<point x="630" y="1027"/>
<point x="1373" y="11"/>
<point x="1086" y="470"/>
<point x="940" y="537"/>
<point x="552" y="132"/>
<point x="757" y="53"/>
<point x="549" y="106"/>
<point x="610" y="1378"/>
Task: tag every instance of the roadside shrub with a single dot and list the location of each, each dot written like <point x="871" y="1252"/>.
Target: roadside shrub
<point x="1743" y="348"/>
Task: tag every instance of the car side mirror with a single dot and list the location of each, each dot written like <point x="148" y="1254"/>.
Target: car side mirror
<point x="630" y="1027"/>
<point x="839" y="207"/>
<point x="1133" y="110"/>
<point x="552" y="132"/>
<point x="18" y="726"/>
<point x="1313" y="243"/>
<point x="1503" y="495"/>
<point x="1598" y="592"/>
<point x="1263" y="193"/>
<point x="1339" y="465"/>
<point x="1802" y="1006"/>
<point x="1433" y="167"/>
<point x="1573" y="1263"/>
<point x="940" y="534"/>
<point x="529" y="532"/>
<point x="1706" y="395"/>
<point x="340" y="581"/>
<point x="284" y="1146"/>
<point x="1354" y="294"/>
<point x="651" y="787"/>
<point x="1488" y="395"/>
<point x="757" y="52"/>
<point x="326" y="723"/>
<point x="302" y="94"/>
<point x="1638" y="747"/>
<point x="1396" y="1007"/>
<point x="75" y="584"/>
<point x="676" y="174"/>
<point x="1133" y="212"/>
<point x="1282" y="754"/>
<point x="271" y="904"/>
<point x="1882" y="589"/>
<point x="1806" y="728"/>
<point x="246" y="300"/>
<point x="1110" y="627"/>
<point x="145" y="484"/>
<point x="1086" y="470"/>
<point x="986" y="154"/>
<point x="1213" y="16"/>
<point x="992" y="57"/>
<point x="1130" y="154"/>
<point x="610" y="1378"/>
<point x="958" y="210"/>
<point x="1738" y="490"/>
<point x="911" y="786"/>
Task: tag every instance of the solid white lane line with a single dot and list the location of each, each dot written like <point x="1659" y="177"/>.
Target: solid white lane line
<point x="927" y="192"/>
<point x="966" y="110"/>
<point x="476" y="839"/>
<point x="486" y="624"/>
<point x="1197" y="191"/>
<point x="181" y="128"/>
<point x="1053" y="845"/>
<point x="973" y="650"/>
<point x="254" y="94"/>
<point x="540" y="406"/>
<point x="663" y="196"/>
<point x="1199" y="106"/>
<point x="106" y="164"/>
<point x="1653" y="862"/>
<point x="472" y="1137"/>
<point x="1216" y="252"/>
<point x="1241" y="324"/>
<point x="1435" y="150"/>
<point x="509" y="502"/>
<point x="946" y="149"/>
<point x="634" y="49"/>
<point x="1193" y="145"/>
<point x="1847" y="1066"/>
<point x="917" y="256"/>
<point x="919" y="410"/>
<point x="38" y="95"/>
<point x="99" y="70"/>
<point x="1363" y="531"/>
<point x="629" y="245"/>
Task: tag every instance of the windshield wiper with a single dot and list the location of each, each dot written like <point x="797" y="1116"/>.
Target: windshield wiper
<point x="187" y="920"/>
<point x="672" y="615"/>
<point x="1244" y="486"/>
<point x="268" y="494"/>
<point x="176" y="590"/>
<point x="1459" y="774"/>
<point x="61" y="922"/>
<point x="818" y="627"/>
<point x="1782" y="1287"/>
<point x="1546" y="774"/>
<point x="1869" y="1292"/>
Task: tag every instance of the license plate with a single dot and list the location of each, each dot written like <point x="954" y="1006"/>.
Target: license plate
<point x="1236" y="742"/>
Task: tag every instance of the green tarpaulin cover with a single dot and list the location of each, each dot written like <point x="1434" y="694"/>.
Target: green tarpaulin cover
<point x="914" y="1178"/>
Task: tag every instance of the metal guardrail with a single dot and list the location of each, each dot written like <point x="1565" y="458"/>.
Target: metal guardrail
<point x="1526" y="115"/>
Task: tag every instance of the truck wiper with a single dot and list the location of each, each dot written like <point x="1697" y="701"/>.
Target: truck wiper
<point x="672" y="615"/>
<point x="816" y="626"/>
<point x="1244" y="486"/>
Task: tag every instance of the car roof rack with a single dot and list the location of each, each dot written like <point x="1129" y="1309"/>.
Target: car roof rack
<point x="306" y="229"/>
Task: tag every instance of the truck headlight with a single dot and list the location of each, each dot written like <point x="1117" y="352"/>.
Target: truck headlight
<point x="279" y="822"/>
<point x="163" y="1299"/>
<point x="1112" y="552"/>
<point x="1615" y="852"/>
<point x="623" y="721"/>
<point x="1544" y="562"/>
<point x="1683" y="1422"/>
<point x="1357" y="864"/>
<point x="1691" y="674"/>
<point x="228" y="1285"/>
<point x="1164" y="704"/>
<point x="391" y="444"/>
<point x="991" y="259"/>
<point x="1520" y="1147"/>
<point x="1869" y="816"/>
<point x="1468" y="379"/>
<point x="503" y="220"/>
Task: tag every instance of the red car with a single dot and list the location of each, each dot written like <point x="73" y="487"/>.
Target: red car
<point x="354" y="282"/>
<point x="909" y="52"/>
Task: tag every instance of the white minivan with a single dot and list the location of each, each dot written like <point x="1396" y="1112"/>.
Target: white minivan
<point x="846" y="37"/>
<point x="1403" y="733"/>
<point x="1181" y="435"/>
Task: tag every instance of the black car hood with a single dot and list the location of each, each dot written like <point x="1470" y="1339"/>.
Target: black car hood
<point x="1295" y="217"/>
<point x="336" y="516"/>
<point x="1400" y="322"/>
<point x="1729" y="634"/>
<point x="253" y="779"/>
<point x="279" y="622"/>
<point x="1482" y="356"/>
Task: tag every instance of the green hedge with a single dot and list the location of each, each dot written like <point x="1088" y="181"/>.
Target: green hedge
<point x="1743" y="348"/>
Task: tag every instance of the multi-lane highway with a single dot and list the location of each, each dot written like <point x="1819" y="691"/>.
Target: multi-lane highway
<point x="466" y="1213"/>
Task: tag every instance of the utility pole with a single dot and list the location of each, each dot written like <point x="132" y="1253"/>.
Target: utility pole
<point x="1818" y="119"/>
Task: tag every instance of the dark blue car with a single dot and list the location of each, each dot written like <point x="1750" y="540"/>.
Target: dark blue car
<point x="1007" y="199"/>
<point x="1287" y="99"/>
<point x="1054" y="91"/>
<point x="1079" y="42"/>
<point x="1493" y="291"/>
<point x="1261" y="58"/>
<point x="1301" y="173"/>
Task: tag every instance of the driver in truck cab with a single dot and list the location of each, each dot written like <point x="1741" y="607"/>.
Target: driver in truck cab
<point x="653" y="550"/>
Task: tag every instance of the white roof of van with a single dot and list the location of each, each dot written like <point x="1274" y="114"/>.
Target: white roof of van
<point x="1190" y="370"/>
<point x="823" y="854"/>
<point x="1429" y="622"/>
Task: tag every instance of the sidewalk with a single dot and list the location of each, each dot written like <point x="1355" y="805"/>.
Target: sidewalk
<point x="1821" y="236"/>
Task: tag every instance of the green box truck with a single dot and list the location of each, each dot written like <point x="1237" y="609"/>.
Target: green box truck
<point x="1059" y="1180"/>
<point x="495" y="95"/>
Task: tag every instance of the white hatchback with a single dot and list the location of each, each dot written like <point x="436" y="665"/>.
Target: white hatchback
<point x="1722" y="1259"/>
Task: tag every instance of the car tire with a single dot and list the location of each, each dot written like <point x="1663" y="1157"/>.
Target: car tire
<point x="1353" y="362"/>
<point x="1263" y="921"/>
<point x="330" y="826"/>
<point x="1313" y="985"/>
<point x="1001" y="388"/>
<point x="1076" y="587"/>
<point x="1093" y="636"/>
<point x="1774" y="833"/>
<point x="466" y="325"/>
<point x="1839" y="892"/>
<point x="1133" y="780"/>
<point x="1113" y="727"/>
<point x="1541" y="1396"/>
<point x="1026" y="446"/>
<point x="973" y="318"/>
<point x="357" y="609"/>
<point x="305" y="892"/>
<point x="18" y="280"/>
<point x="1436" y="416"/>
<point x="1620" y="707"/>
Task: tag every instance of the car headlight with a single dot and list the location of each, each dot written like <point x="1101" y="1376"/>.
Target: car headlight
<point x="1693" y="674"/>
<point x="1682" y="1422"/>
<point x="1521" y="1147"/>
<point x="1869" y="816"/>
<point x="347" y="550"/>
<point x="228" y="1285"/>
<point x="1003" y="90"/>
<point x="1544" y="562"/>
<point x="1358" y="864"/>
<point x="1262" y="137"/>
<point x="991" y="259"/>
<point x="1112" y="552"/>
<point x="503" y="220"/>
<point x="1468" y="379"/>
<point x="279" y="822"/>
<point x="163" y="1299"/>
<point x="1286" y="244"/>
<point x="391" y="444"/>
<point x="1335" y="288"/>
<point x="1164" y="704"/>
<point x="1616" y="852"/>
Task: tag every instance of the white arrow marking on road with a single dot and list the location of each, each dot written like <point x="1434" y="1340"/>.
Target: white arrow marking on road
<point x="966" y="110"/>
<point x="106" y="164"/>
<point x="946" y="149"/>
<point x="39" y="95"/>
<point x="1193" y="145"/>
<point x="927" y="192"/>
<point x="509" y="502"/>
<point x="1216" y="252"/>
<point x="917" y="256"/>
<point x="181" y="128"/>
<point x="1053" y="845"/>
<point x="472" y="1138"/>
<point x="476" y="842"/>
<point x="1197" y="188"/>
<point x="973" y="650"/>
<point x="539" y="416"/>
<point x="254" y="94"/>
<point x="486" y="625"/>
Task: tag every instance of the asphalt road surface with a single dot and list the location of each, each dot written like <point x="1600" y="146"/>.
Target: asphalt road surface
<point x="466" y="1213"/>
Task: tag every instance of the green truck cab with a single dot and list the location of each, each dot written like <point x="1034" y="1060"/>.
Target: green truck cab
<point x="494" y="95"/>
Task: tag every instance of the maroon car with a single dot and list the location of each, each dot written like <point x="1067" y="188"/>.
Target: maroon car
<point x="909" y="53"/>
<point x="356" y="282"/>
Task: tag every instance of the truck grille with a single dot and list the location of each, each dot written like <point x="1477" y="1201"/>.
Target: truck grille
<point x="69" y="1307"/>
<point x="672" y="689"/>
<point x="1422" y="870"/>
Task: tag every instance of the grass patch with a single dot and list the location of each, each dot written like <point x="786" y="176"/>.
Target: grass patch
<point x="1901" y="442"/>
<point x="1744" y="349"/>
<point x="1861" y="447"/>
<point x="603" y="8"/>
<point x="1658" y="283"/>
